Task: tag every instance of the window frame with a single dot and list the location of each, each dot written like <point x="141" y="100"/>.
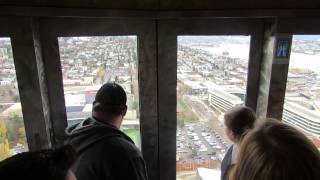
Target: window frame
<point x="52" y="28"/>
<point x="168" y="31"/>
<point x="22" y="37"/>
<point x="291" y="27"/>
<point x="278" y="81"/>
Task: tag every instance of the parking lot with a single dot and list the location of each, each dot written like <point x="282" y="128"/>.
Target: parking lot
<point x="197" y="142"/>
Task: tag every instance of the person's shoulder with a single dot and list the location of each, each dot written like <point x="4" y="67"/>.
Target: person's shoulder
<point x="227" y="157"/>
<point x="230" y="149"/>
<point x="121" y="145"/>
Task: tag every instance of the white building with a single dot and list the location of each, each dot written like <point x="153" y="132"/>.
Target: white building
<point x="218" y="97"/>
<point x="302" y="118"/>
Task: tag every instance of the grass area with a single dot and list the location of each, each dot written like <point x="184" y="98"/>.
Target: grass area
<point x="134" y="134"/>
<point x="185" y="115"/>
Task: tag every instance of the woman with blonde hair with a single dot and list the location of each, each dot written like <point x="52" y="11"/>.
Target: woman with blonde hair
<point x="276" y="151"/>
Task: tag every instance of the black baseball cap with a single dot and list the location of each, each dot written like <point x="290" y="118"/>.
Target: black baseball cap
<point x="111" y="98"/>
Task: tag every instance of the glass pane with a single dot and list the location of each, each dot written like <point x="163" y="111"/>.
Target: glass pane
<point x="302" y="100"/>
<point x="89" y="62"/>
<point x="212" y="78"/>
<point x="12" y="131"/>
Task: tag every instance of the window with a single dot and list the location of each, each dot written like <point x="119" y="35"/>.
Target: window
<point x="212" y="78"/>
<point x="12" y="131"/>
<point x="302" y="100"/>
<point x="89" y="62"/>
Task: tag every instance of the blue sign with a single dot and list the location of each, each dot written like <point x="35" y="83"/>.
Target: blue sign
<point x="283" y="47"/>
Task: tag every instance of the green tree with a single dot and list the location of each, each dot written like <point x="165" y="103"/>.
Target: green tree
<point x="194" y="153"/>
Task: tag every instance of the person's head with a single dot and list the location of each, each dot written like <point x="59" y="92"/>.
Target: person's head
<point x="237" y="121"/>
<point x="40" y="165"/>
<point x="110" y="104"/>
<point x="276" y="151"/>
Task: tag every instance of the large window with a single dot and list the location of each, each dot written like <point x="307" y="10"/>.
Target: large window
<point x="302" y="100"/>
<point x="212" y="78"/>
<point x="12" y="131"/>
<point x="89" y="62"/>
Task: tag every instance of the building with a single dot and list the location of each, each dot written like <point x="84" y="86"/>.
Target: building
<point x="301" y="117"/>
<point x="222" y="99"/>
<point x="196" y="88"/>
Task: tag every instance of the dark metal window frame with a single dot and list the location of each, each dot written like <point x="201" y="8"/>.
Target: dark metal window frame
<point x="20" y="31"/>
<point x="278" y="80"/>
<point x="36" y="56"/>
<point x="52" y="28"/>
<point x="168" y="31"/>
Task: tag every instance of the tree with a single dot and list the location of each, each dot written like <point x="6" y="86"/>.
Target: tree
<point x="3" y="129"/>
<point x="15" y="133"/>
<point x="194" y="153"/>
<point x="4" y="142"/>
<point x="4" y="150"/>
<point x="16" y="98"/>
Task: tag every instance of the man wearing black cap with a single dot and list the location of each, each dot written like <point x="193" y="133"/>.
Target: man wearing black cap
<point x="104" y="152"/>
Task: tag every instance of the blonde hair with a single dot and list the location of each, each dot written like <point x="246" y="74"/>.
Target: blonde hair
<point x="276" y="151"/>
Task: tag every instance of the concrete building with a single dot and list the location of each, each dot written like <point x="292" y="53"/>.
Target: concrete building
<point x="302" y="118"/>
<point x="222" y="99"/>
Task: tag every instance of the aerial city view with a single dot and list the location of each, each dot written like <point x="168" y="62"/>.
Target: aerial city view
<point x="89" y="62"/>
<point x="211" y="78"/>
<point x="12" y="133"/>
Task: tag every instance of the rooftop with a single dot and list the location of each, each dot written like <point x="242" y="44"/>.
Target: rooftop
<point x="302" y="111"/>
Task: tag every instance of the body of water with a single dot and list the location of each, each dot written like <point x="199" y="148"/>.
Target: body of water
<point x="297" y="60"/>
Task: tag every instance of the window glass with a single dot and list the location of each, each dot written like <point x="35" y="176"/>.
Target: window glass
<point x="12" y="131"/>
<point x="89" y="62"/>
<point x="212" y="78"/>
<point x="302" y="100"/>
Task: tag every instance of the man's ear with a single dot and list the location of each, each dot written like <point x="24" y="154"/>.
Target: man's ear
<point x="125" y="111"/>
<point x="94" y="104"/>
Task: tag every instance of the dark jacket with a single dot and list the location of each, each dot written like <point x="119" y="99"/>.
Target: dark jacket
<point x="226" y="164"/>
<point x="104" y="152"/>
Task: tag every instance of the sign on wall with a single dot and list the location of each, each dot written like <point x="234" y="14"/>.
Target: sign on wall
<point x="283" y="48"/>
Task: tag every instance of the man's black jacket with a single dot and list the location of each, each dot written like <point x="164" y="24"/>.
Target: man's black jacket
<point x="104" y="152"/>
